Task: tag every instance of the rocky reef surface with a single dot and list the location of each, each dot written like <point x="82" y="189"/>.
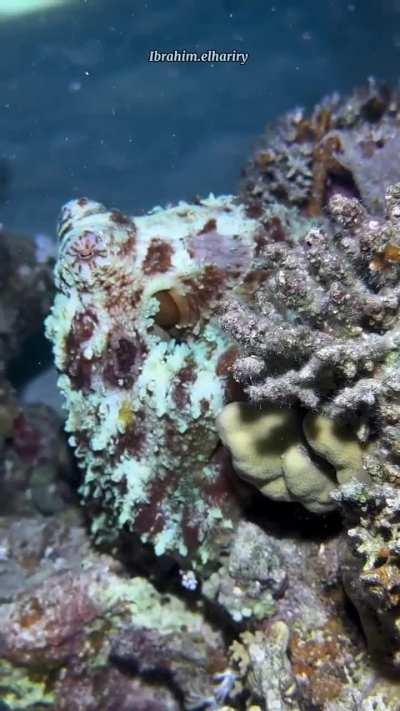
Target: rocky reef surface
<point x="230" y="370"/>
<point x="33" y="453"/>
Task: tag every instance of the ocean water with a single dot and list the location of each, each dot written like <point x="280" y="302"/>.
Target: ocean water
<point x="83" y="112"/>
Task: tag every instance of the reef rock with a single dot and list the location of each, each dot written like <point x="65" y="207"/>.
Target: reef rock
<point x="346" y="144"/>
<point x="34" y="459"/>
<point x="252" y="579"/>
<point x="78" y="633"/>
<point x="370" y="562"/>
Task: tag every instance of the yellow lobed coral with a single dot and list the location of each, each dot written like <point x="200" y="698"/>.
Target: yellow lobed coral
<point x="275" y="449"/>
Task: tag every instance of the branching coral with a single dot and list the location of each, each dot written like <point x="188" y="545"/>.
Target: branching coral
<point x="325" y="334"/>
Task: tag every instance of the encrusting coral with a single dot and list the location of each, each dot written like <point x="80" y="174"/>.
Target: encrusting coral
<point x="253" y="577"/>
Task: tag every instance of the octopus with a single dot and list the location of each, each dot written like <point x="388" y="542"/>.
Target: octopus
<point x="144" y="365"/>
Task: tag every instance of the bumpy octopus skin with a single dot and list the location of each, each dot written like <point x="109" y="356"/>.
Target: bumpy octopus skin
<point x="143" y="364"/>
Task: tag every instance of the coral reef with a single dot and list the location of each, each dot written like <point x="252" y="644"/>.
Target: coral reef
<point x="309" y="654"/>
<point x="144" y="365"/>
<point x="267" y="666"/>
<point x="371" y="564"/>
<point x="36" y="469"/>
<point x="270" y="322"/>
<point x="34" y="460"/>
<point x="324" y="335"/>
<point x="252" y="578"/>
<point x="79" y="634"/>
<point x="347" y="144"/>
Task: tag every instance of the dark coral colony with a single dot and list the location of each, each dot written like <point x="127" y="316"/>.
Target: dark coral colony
<point x="226" y="533"/>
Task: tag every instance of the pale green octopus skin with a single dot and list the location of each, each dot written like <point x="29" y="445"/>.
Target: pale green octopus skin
<point x="145" y="436"/>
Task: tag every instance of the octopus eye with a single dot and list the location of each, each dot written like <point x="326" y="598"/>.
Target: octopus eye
<point x="175" y="309"/>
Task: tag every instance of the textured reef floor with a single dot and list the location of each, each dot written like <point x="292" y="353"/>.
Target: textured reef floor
<point x="226" y="535"/>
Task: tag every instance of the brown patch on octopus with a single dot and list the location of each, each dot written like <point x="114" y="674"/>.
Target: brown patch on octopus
<point x="181" y="391"/>
<point x="204" y="406"/>
<point x="233" y="389"/>
<point x="129" y="245"/>
<point x="207" y="288"/>
<point x="123" y="360"/>
<point x="190" y="530"/>
<point x="226" y="361"/>
<point x="150" y="518"/>
<point x="119" y="218"/>
<point x="80" y="371"/>
<point x="158" y="259"/>
<point x="83" y="325"/>
<point x="210" y="226"/>
<point x="78" y="367"/>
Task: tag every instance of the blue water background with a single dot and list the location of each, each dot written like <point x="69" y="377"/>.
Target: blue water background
<point x="82" y="112"/>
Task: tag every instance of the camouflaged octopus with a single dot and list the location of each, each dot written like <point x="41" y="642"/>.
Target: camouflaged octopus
<point x="144" y="364"/>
